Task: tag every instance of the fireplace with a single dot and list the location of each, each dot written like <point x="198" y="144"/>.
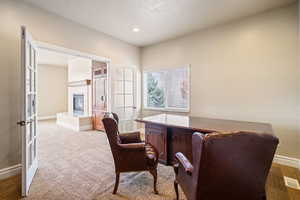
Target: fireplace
<point x="78" y="117"/>
<point x="78" y="104"/>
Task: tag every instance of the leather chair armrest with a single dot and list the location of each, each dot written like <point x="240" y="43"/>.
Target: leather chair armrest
<point x="132" y="147"/>
<point x="188" y="167"/>
<point x="130" y="137"/>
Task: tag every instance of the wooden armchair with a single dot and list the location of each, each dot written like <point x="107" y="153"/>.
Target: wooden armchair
<point x="129" y="152"/>
<point x="231" y="166"/>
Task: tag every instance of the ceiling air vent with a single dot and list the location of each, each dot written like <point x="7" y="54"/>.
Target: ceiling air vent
<point x="292" y="183"/>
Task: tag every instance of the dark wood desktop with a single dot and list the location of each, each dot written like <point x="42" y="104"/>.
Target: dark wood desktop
<point x="173" y="133"/>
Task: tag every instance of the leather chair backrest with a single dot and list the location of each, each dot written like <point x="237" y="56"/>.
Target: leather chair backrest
<point x="232" y="165"/>
<point x="190" y="183"/>
<point x="112" y="132"/>
<point x="116" y="117"/>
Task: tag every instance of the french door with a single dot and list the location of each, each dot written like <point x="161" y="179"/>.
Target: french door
<point x="124" y="93"/>
<point x="28" y="121"/>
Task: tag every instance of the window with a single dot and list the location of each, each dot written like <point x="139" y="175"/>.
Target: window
<point x="167" y="89"/>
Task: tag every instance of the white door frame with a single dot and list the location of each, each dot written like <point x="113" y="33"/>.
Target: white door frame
<point x="51" y="47"/>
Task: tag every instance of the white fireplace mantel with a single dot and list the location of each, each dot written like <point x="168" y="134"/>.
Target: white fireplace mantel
<point x="79" y="83"/>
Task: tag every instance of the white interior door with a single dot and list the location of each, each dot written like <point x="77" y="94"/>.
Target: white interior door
<point x="28" y="121"/>
<point x="124" y="93"/>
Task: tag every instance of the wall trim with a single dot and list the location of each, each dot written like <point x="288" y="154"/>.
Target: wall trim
<point x="47" y="117"/>
<point x="287" y="161"/>
<point x="52" y="47"/>
<point x="10" y="171"/>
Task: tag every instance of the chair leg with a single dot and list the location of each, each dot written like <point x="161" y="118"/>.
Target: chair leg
<point x="116" y="183"/>
<point x="176" y="189"/>
<point x="154" y="174"/>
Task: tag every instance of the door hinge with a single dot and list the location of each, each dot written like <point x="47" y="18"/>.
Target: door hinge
<point x="23" y="31"/>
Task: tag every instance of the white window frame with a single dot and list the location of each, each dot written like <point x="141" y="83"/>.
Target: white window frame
<point x="166" y="108"/>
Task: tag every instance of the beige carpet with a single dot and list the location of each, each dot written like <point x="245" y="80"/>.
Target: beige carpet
<point x="79" y="165"/>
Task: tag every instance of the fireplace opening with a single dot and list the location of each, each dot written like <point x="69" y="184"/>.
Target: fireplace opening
<point x="78" y="104"/>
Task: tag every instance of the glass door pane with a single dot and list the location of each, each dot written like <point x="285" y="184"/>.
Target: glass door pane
<point x="119" y="87"/>
<point x="128" y="74"/>
<point x="124" y="93"/>
<point x="128" y="100"/>
<point x="119" y="101"/>
<point x="128" y="87"/>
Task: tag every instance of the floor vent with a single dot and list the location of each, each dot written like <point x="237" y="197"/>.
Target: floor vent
<point x="292" y="183"/>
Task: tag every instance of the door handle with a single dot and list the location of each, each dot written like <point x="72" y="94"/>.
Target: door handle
<point x="24" y="123"/>
<point x="21" y="123"/>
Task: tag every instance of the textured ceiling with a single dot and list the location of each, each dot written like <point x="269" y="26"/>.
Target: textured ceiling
<point x="158" y="20"/>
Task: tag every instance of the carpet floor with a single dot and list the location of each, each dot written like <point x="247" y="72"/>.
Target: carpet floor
<point x="79" y="165"/>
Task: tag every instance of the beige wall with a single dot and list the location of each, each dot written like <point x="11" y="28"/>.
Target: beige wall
<point x="244" y="70"/>
<point x="52" y="90"/>
<point x="79" y="69"/>
<point x="47" y="28"/>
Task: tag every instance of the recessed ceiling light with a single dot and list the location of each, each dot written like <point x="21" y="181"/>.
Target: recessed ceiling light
<point x="136" y="30"/>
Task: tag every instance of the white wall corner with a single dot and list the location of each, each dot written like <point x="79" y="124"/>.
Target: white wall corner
<point x="287" y="161"/>
<point x="10" y="171"/>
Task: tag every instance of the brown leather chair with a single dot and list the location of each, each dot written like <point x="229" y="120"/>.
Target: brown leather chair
<point x="231" y="166"/>
<point x="129" y="152"/>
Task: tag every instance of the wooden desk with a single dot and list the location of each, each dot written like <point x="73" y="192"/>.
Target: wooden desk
<point x="173" y="133"/>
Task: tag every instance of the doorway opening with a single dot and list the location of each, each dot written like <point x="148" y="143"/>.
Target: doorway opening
<point x="63" y="106"/>
<point x="67" y="91"/>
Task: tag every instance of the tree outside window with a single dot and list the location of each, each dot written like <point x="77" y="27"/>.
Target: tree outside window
<point x="167" y="89"/>
<point x="155" y="94"/>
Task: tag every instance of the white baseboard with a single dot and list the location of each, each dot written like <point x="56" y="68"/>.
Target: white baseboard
<point x="47" y="117"/>
<point x="287" y="161"/>
<point x="10" y="171"/>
